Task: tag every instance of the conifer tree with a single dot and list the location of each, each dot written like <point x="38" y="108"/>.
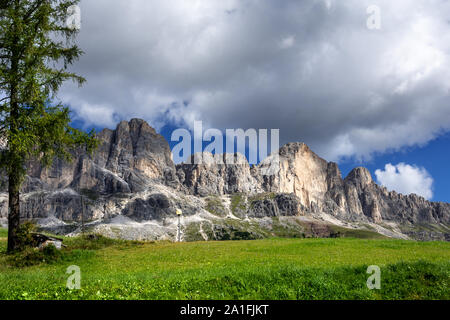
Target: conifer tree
<point x="36" y="48"/>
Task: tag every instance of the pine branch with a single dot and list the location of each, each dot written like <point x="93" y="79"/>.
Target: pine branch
<point x="32" y="10"/>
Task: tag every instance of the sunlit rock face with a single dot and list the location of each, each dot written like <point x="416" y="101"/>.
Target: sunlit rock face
<point x="223" y="174"/>
<point x="302" y="173"/>
<point x="317" y="184"/>
<point x="131" y="177"/>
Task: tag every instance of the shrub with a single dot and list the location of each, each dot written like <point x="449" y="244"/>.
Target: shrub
<point x="25" y="236"/>
<point x="33" y="256"/>
<point x="95" y="242"/>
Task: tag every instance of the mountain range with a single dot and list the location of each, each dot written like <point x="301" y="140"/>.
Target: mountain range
<point x="130" y="188"/>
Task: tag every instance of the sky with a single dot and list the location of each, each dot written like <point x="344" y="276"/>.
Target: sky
<point x="363" y="83"/>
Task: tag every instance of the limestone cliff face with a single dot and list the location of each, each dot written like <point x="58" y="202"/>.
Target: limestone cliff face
<point x="132" y="175"/>
<point x="128" y="158"/>
<point x="301" y="172"/>
<point x="318" y="186"/>
<point x="316" y="183"/>
<point x="380" y="205"/>
<point x="220" y="175"/>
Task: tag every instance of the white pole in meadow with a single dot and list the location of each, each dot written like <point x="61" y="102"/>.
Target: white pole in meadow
<point x="179" y="213"/>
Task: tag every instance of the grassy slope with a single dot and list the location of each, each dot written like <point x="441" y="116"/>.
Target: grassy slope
<point x="262" y="269"/>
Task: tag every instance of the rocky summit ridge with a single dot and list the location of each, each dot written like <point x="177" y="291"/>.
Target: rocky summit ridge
<point x="130" y="188"/>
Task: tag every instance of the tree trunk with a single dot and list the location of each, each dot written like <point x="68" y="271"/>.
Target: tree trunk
<point x="14" y="180"/>
<point x="14" y="167"/>
<point x="14" y="208"/>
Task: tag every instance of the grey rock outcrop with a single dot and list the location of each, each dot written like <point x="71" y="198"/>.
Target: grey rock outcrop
<point x="156" y="207"/>
<point x="318" y="187"/>
<point x="207" y="174"/>
<point x="276" y="206"/>
<point x="132" y="175"/>
<point x="127" y="159"/>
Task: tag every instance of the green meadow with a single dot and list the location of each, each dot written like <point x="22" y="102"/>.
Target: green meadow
<point x="272" y="269"/>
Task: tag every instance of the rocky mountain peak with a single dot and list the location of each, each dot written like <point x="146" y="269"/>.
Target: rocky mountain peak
<point x="360" y="176"/>
<point x="293" y="147"/>
<point x="132" y="175"/>
<point x="126" y="160"/>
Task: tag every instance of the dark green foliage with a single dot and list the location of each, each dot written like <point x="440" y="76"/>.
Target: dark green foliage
<point x="242" y="235"/>
<point x="228" y="232"/>
<point x="29" y="256"/>
<point x="77" y="248"/>
<point x="25" y="235"/>
<point x="340" y="232"/>
<point x="36" y="49"/>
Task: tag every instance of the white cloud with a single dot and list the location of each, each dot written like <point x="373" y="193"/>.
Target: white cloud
<point x="341" y="88"/>
<point x="287" y="42"/>
<point x="406" y="179"/>
<point x="101" y="115"/>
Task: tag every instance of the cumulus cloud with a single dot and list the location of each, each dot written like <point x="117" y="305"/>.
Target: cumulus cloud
<point x="311" y="68"/>
<point x="406" y="179"/>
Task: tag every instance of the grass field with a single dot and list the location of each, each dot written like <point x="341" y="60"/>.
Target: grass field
<point x="262" y="269"/>
<point x="3" y="233"/>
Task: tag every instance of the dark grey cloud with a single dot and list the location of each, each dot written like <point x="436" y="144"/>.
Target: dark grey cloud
<point x="311" y="68"/>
